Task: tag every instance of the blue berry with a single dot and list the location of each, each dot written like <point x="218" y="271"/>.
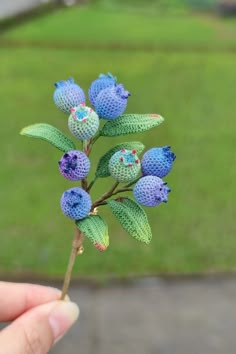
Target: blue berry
<point x="83" y="122"/>
<point x="76" y="203"/>
<point x="151" y="191"/>
<point x="100" y="84"/>
<point x="124" y="165"/>
<point x="68" y="95"/>
<point x="74" y="165"/>
<point x="111" y="102"/>
<point x="157" y="161"/>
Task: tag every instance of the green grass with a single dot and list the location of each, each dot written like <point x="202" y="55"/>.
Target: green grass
<point x="194" y="232"/>
<point x="93" y="25"/>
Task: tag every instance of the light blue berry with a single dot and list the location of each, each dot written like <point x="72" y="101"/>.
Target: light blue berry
<point x="67" y="95"/>
<point x="158" y="161"/>
<point x="100" y="84"/>
<point x="151" y="191"/>
<point x="111" y="102"/>
<point x="76" y="203"/>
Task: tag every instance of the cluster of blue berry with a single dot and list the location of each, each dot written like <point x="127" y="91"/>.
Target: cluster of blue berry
<point x="109" y="100"/>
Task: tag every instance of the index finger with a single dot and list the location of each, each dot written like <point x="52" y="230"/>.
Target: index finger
<point x="17" y="298"/>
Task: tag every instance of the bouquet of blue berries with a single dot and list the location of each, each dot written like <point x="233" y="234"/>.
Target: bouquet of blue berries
<point x="142" y="177"/>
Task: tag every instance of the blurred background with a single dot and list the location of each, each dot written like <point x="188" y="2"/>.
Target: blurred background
<point x="177" y="58"/>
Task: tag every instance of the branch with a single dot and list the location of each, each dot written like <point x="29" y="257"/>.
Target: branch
<point x="105" y="196"/>
<point x="77" y="249"/>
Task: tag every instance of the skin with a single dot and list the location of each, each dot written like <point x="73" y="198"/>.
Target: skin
<point x="38" y="318"/>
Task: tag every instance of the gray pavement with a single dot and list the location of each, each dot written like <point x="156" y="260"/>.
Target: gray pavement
<point x="14" y="7"/>
<point x="155" y="316"/>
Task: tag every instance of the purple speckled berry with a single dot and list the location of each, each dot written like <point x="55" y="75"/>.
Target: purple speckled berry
<point x="100" y="84"/>
<point x="124" y="165"/>
<point x="76" y="203"/>
<point x="151" y="191"/>
<point x="74" y="165"/>
<point x="111" y="102"/>
<point x="68" y="95"/>
<point x="157" y="161"/>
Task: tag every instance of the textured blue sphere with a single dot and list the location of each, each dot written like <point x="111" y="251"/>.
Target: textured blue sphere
<point x="103" y="82"/>
<point x="74" y="165"/>
<point x="76" y="203"/>
<point x="111" y="102"/>
<point x="157" y="161"/>
<point x="151" y="191"/>
<point x="68" y="95"/>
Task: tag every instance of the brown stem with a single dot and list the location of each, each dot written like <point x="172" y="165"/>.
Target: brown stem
<point x="105" y="196"/>
<point x="91" y="142"/>
<point x="84" y="184"/>
<point x="122" y="190"/>
<point x="76" y="246"/>
<point x="91" y="184"/>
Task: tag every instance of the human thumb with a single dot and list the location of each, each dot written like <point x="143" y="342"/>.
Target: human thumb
<point x="38" y="329"/>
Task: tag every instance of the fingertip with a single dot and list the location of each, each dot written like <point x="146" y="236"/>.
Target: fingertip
<point x="63" y="315"/>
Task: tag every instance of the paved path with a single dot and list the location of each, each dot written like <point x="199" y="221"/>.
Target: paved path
<point x="155" y="316"/>
<point x="14" y="7"/>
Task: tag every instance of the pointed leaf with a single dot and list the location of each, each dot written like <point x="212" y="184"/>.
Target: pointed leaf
<point x="51" y="134"/>
<point x="96" y="229"/>
<point x="102" y="168"/>
<point x="132" y="217"/>
<point x="131" y="123"/>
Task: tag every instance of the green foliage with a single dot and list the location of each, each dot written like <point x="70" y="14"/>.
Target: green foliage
<point x="49" y="133"/>
<point x="96" y="229"/>
<point x="132" y="218"/>
<point x="130" y="124"/>
<point x="195" y="230"/>
<point x="102" y="168"/>
<point x="138" y="30"/>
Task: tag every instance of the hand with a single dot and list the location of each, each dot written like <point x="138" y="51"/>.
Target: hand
<point x="39" y="318"/>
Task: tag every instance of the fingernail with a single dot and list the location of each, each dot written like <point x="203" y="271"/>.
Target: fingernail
<point x="62" y="317"/>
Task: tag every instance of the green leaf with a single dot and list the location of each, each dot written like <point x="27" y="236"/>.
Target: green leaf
<point x="102" y="168"/>
<point x="132" y="217"/>
<point x="130" y="123"/>
<point x="96" y="229"/>
<point x="51" y="134"/>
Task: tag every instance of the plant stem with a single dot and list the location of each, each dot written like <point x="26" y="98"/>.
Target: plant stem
<point x="122" y="190"/>
<point x="76" y="246"/>
<point x="105" y="196"/>
<point x="84" y="184"/>
<point x="91" y="183"/>
<point x="91" y="142"/>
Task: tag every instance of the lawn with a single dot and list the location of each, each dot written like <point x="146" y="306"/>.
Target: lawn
<point x="193" y="232"/>
<point x="96" y="26"/>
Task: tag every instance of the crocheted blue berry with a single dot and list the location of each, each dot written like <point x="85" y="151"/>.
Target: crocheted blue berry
<point x="111" y="102"/>
<point x="67" y="95"/>
<point x="76" y="203"/>
<point x="151" y="191"/>
<point x="124" y="165"/>
<point x="157" y="161"/>
<point x="83" y="122"/>
<point x="74" y="165"/>
<point x="100" y="84"/>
